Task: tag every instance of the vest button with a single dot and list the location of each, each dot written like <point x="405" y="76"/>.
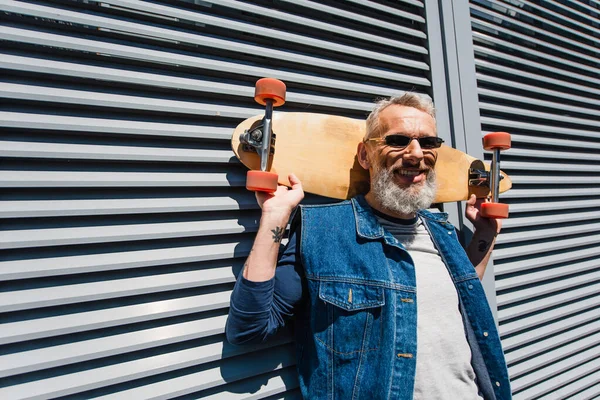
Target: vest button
<point x="485" y="334"/>
<point x="498" y="384"/>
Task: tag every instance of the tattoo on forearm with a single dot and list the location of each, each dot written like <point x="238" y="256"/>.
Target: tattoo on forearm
<point x="483" y="246"/>
<point x="277" y="234"/>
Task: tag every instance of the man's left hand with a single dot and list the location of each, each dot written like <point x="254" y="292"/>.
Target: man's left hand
<point x="481" y="224"/>
<point x="480" y="248"/>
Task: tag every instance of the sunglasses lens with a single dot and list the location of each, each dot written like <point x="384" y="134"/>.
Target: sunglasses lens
<point x="397" y="140"/>
<point x="430" y="142"/>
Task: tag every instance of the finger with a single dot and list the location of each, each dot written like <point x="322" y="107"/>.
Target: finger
<point x="294" y="181"/>
<point x="472" y="200"/>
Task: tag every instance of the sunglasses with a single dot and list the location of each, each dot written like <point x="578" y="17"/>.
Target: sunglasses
<point x="401" y="141"/>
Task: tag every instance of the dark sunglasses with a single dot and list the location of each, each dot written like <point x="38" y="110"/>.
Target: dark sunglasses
<point x="401" y="141"/>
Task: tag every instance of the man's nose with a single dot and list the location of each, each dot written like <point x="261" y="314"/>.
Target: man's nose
<point x="413" y="150"/>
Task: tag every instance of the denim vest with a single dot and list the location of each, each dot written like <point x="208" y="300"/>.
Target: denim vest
<point x="359" y="339"/>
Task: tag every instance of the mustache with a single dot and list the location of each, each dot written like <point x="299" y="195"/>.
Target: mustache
<point x="426" y="164"/>
<point x="420" y="167"/>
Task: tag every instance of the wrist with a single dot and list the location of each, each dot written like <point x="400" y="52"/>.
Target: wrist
<point x="485" y="233"/>
<point x="275" y="217"/>
<point x="272" y="228"/>
<point x="277" y="212"/>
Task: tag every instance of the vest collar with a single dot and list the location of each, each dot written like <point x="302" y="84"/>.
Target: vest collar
<point x="367" y="225"/>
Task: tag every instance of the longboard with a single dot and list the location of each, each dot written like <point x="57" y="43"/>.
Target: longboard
<point x="321" y="150"/>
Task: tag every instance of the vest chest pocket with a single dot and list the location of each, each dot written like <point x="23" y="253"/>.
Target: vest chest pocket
<point x="351" y="319"/>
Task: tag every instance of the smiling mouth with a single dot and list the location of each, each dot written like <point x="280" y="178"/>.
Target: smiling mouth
<point x="407" y="177"/>
<point x="409" y="172"/>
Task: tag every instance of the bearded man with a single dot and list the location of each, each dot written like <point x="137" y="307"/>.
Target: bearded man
<point x="386" y="302"/>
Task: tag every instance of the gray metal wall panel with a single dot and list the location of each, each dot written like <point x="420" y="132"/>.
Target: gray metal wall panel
<point x="537" y="70"/>
<point x="455" y="91"/>
<point x="124" y="216"/>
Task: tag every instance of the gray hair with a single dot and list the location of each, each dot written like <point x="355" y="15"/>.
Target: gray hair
<point x="408" y="99"/>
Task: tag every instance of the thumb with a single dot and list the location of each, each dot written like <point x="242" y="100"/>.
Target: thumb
<point x="295" y="182"/>
<point x="472" y="200"/>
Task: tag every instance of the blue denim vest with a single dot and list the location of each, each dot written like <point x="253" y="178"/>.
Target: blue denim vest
<point x="359" y="339"/>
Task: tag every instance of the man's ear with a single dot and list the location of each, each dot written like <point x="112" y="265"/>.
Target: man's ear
<point x="363" y="156"/>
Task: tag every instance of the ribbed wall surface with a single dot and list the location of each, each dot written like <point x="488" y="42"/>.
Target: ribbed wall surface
<point x="124" y="216"/>
<point x="538" y="72"/>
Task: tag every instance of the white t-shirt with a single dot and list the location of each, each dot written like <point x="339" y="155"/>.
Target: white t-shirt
<point x="443" y="358"/>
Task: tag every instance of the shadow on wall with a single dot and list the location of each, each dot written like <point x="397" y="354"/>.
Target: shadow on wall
<point x="257" y="367"/>
<point x="260" y="367"/>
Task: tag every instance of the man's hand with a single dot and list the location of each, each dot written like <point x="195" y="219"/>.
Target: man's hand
<point x="480" y="248"/>
<point x="276" y="210"/>
<point x="284" y="200"/>
<point x="473" y="214"/>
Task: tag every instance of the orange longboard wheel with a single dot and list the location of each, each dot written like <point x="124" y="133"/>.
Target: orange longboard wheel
<point x="494" y="210"/>
<point x="270" y="88"/>
<point x="261" y="181"/>
<point x="496" y="140"/>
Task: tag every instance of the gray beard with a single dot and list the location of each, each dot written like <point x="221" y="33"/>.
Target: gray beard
<point x="401" y="200"/>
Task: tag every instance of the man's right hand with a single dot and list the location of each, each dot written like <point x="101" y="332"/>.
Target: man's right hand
<point x="284" y="200"/>
<point x="276" y="210"/>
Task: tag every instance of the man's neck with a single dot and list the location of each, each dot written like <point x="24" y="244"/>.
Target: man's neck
<point x="372" y="201"/>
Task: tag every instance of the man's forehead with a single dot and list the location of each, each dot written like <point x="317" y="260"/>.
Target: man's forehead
<point x="407" y="119"/>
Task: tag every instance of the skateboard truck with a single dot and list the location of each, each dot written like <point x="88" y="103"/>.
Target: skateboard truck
<point x="270" y="93"/>
<point x="495" y="142"/>
<point x="480" y="177"/>
<point x="252" y="140"/>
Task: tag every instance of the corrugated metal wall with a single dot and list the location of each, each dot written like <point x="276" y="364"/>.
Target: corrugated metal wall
<point x="538" y="72"/>
<point x="123" y="211"/>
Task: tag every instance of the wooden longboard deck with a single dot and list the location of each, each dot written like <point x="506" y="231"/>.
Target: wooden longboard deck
<point x="321" y="150"/>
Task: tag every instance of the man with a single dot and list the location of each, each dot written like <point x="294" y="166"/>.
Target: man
<point x="388" y="305"/>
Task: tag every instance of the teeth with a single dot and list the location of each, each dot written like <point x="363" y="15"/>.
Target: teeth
<point x="408" y="172"/>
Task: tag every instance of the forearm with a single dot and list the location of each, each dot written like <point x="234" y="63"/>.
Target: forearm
<point x="259" y="309"/>
<point x="262" y="260"/>
<point x="480" y="249"/>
